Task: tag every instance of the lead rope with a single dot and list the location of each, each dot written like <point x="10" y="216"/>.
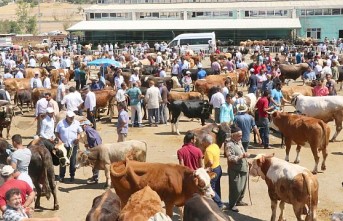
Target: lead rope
<point x="249" y="185"/>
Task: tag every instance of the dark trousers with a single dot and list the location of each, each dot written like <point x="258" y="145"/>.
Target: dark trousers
<point x="77" y="84"/>
<point x="91" y="117"/>
<point x="264" y="130"/>
<point x="72" y="160"/>
<point x="83" y="83"/>
<point x="217" y="115"/>
<point x="215" y="184"/>
<point x="245" y="145"/>
<point x="153" y="113"/>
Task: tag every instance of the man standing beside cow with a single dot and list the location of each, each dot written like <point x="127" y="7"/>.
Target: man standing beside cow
<point x="189" y="155"/>
<point x="217" y="100"/>
<point x="163" y="110"/>
<point x="123" y="122"/>
<point x="135" y="95"/>
<point x="153" y="99"/>
<point x="263" y="109"/>
<point x="36" y="82"/>
<point x="90" y="105"/>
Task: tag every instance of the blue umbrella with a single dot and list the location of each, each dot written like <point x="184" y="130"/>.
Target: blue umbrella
<point x="104" y="62"/>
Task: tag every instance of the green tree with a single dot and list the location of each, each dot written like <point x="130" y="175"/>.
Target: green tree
<point x="25" y="23"/>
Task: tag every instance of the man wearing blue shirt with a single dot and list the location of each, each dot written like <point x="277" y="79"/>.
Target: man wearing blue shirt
<point x="309" y="75"/>
<point x="135" y="95"/>
<point x="201" y="72"/>
<point x="276" y="97"/>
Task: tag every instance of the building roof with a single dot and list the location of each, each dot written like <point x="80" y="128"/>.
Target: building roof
<point x="277" y="5"/>
<point x="213" y="24"/>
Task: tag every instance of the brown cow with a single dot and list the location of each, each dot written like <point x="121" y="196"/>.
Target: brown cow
<point x="175" y="184"/>
<point x="14" y="84"/>
<point x="183" y="96"/>
<point x="30" y="72"/>
<point x="38" y="93"/>
<point x="105" y="207"/>
<point x="288" y="183"/>
<point x="105" y="98"/>
<point x="56" y="73"/>
<point x="204" y="85"/>
<point x="142" y="205"/>
<point x="303" y="130"/>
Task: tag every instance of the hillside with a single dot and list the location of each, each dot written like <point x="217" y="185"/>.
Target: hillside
<point x="54" y="16"/>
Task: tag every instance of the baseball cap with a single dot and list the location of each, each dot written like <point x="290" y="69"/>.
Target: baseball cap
<point x="70" y="114"/>
<point x="188" y="72"/>
<point x="252" y="70"/>
<point x="7" y="170"/>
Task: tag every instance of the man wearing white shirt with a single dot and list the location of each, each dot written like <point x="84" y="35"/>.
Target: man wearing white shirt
<point x="8" y="75"/>
<point x="47" y="82"/>
<point x="4" y="95"/>
<point x="48" y="125"/>
<point x="36" y="81"/>
<point x="72" y="100"/>
<point x="19" y="74"/>
<point x="119" y="79"/>
<point x="32" y="62"/>
<point x="163" y="72"/>
<point x="135" y="77"/>
<point x="326" y="70"/>
<point x="120" y="96"/>
<point x="217" y="100"/>
<point x="90" y="105"/>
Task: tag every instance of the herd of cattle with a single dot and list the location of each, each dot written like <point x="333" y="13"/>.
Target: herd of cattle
<point x="140" y="186"/>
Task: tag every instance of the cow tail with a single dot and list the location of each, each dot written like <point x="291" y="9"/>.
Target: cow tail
<point x="308" y="182"/>
<point x="46" y="185"/>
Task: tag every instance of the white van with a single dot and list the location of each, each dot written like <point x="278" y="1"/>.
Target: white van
<point x="194" y="41"/>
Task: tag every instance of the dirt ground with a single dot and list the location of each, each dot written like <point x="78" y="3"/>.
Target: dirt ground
<point x="76" y="199"/>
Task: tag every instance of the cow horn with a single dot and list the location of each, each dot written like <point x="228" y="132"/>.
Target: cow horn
<point x="116" y="166"/>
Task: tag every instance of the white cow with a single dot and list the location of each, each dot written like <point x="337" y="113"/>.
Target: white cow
<point x="327" y="108"/>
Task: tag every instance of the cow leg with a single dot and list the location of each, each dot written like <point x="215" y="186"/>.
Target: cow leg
<point x="297" y="158"/>
<point x="38" y="190"/>
<point x="325" y="154"/>
<point x="273" y="206"/>
<point x="169" y="208"/>
<point x="282" y="208"/>
<point x="8" y="131"/>
<point x="52" y="184"/>
<point x="288" y="143"/>
<point x="298" y="209"/>
<point x="107" y="175"/>
<point x="338" y="122"/>
<point x="177" y="125"/>
<point x="1" y="128"/>
<point x="316" y="159"/>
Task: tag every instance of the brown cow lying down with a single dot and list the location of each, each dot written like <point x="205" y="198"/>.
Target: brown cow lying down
<point x="142" y="205"/>
<point x="102" y="156"/>
<point x="288" y="183"/>
<point x="303" y="131"/>
<point x="174" y="183"/>
<point x="105" y="207"/>
<point x="200" y="208"/>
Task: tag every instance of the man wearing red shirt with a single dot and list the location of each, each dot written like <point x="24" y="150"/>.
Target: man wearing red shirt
<point x="7" y="172"/>
<point x="262" y="106"/>
<point x="189" y="155"/>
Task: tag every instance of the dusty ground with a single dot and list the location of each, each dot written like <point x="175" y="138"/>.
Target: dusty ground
<point x="76" y="199"/>
<point x="54" y="16"/>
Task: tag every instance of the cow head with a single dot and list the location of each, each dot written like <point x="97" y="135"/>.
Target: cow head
<point x="202" y="180"/>
<point x="294" y="98"/>
<point x="257" y="163"/>
<point x="62" y="154"/>
<point x="223" y="132"/>
<point x="206" y="109"/>
<point x="82" y="159"/>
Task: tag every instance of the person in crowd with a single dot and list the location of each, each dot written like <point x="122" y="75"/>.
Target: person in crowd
<point x="217" y="100"/>
<point x="226" y="88"/>
<point x="252" y="82"/>
<point x="32" y="62"/>
<point x="326" y="70"/>
<point x="238" y="168"/>
<point x="187" y="81"/>
<point x="320" y="89"/>
<point x="135" y="95"/>
<point x="153" y="99"/>
<point x="93" y="140"/>
<point x="48" y="125"/>
<point x="261" y="78"/>
<point x="135" y="77"/>
<point x="46" y="82"/>
<point x="263" y="107"/>
<point x="123" y="122"/>
<point x="94" y="85"/>
<point x="118" y="79"/>
<point x="68" y="132"/>
<point x="226" y="110"/>
<point x="268" y="84"/>
<point x="20" y="73"/>
<point x="7" y="173"/>
<point x="309" y="75"/>
<point x="41" y="106"/>
<point x="276" y="97"/>
<point x="163" y="73"/>
<point x="8" y="75"/>
<point x="36" y="82"/>
<point x="216" y="67"/>
<point x="83" y="75"/>
<point x="90" y="105"/>
<point x="201" y="72"/>
<point x="175" y="68"/>
<point x="163" y="110"/>
<point x="120" y="96"/>
<point x="189" y="155"/>
<point x="61" y="92"/>
<point x="72" y="101"/>
<point x="246" y="122"/>
<point x="331" y="85"/>
<point x="102" y="81"/>
<point x="334" y="70"/>
<point x="212" y="162"/>
<point x="4" y="95"/>
<point x="77" y="77"/>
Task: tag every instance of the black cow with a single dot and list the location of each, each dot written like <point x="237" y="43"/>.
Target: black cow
<point x="149" y="70"/>
<point x="200" y="208"/>
<point x="167" y="80"/>
<point x="191" y="109"/>
<point x="23" y="96"/>
<point x="105" y="207"/>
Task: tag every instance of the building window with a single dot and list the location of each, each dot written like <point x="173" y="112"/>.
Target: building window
<point x="318" y="11"/>
<point x="97" y="15"/>
<point x="269" y="13"/>
<point x="336" y="11"/>
<point x="314" y="33"/>
<point x="104" y="15"/>
<point x="327" y="11"/>
<point x="101" y="1"/>
<point x="91" y="15"/>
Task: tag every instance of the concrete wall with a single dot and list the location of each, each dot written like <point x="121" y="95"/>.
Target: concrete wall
<point x="330" y="25"/>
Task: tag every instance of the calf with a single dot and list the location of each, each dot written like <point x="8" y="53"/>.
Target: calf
<point x="102" y="156"/>
<point x="141" y="205"/>
<point x="303" y="130"/>
<point x="105" y="207"/>
<point x="174" y="183"/>
<point x="200" y="208"/>
<point x="191" y="109"/>
<point x="288" y="183"/>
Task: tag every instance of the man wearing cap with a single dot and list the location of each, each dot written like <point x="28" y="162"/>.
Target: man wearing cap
<point x="135" y="95"/>
<point x="238" y="168"/>
<point x="94" y="85"/>
<point x="41" y="106"/>
<point x="201" y="72"/>
<point x="48" y="125"/>
<point x="72" y="101"/>
<point x="187" y="81"/>
<point x="36" y="82"/>
<point x="246" y="122"/>
<point x="93" y="140"/>
<point x="68" y="131"/>
<point x="7" y="173"/>
<point x="252" y="82"/>
<point x="90" y="105"/>
<point x="153" y="99"/>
